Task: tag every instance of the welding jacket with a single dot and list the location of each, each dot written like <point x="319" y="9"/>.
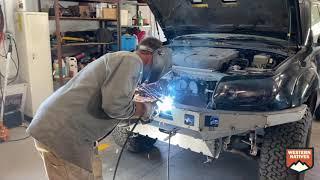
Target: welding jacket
<point x="88" y="107"/>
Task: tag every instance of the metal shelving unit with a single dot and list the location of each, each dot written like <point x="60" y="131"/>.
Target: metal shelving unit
<point x="81" y="18"/>
<point x="90" y="1"/>
<point x="59" y="45"/>
<point x="135" y="3"/>
<point x="82" y="44"/>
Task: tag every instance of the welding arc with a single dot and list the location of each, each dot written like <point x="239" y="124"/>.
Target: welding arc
<point x="123" y="147"/>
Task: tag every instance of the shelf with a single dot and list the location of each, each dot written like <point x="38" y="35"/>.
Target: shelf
<point x="90" y="1"/>
<point x="82" y="44"/>
<point x="135" y="3"/>
<point x="108" y="1"/>
<point x="81" y="18"/>
<point x="146" y="26"/>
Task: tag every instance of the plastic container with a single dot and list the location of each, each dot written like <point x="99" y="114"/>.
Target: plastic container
<point x="72" y="66"/>
<point x="128" y="42"/>
<point x="56" y="68"/>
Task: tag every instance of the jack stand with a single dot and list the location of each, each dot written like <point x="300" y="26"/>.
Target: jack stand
<point x="4" y="132"/>
<point x="170" y="132"/>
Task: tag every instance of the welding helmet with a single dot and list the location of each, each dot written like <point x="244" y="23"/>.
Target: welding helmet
<point x="161" y="63"/>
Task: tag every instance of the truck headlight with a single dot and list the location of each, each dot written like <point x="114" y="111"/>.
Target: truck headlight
<point x="245" y="92"/>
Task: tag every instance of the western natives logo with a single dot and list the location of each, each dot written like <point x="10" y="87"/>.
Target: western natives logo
<point x="300" y="160"/>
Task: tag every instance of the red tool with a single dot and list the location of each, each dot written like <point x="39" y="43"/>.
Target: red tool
<point x="4" y="133"/>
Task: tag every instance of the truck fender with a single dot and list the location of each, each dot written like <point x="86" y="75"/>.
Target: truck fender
<point x="306" y="85"/>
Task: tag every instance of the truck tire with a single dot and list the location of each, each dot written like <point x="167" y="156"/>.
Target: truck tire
<point x="276" y="140"/>
<point x="136" y="142"/>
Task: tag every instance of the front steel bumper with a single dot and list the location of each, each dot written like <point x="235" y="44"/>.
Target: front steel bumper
<point x="198" y="126"/>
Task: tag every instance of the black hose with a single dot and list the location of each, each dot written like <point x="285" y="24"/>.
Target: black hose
<point x="17" y="65"/>
<point x="99" y="140"/>
<point x="1" y="20"/>
<point x="123" y="147"/>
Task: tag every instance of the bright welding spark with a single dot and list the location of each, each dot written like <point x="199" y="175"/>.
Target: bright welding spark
<point x="166" y="104"/>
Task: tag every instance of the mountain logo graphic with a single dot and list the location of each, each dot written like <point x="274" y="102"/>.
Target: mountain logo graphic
<point x="299" y="166"/>
<point x="300" y="160"/>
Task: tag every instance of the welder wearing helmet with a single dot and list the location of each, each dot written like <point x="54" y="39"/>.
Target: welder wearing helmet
<point x="68" y="123"/>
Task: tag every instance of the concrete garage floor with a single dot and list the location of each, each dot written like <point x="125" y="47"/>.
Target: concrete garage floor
<point x="20" y="161"/>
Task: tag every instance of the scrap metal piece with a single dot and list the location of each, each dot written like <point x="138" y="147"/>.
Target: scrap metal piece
<point x="209" y="160"/>
<point x="253" y="144"/>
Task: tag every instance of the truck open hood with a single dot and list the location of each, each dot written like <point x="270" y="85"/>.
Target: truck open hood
<point x="258" y="17"/>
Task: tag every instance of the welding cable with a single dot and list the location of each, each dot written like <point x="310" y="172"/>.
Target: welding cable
<point x="122" y="149"/>
<point x="16" y="140"/>
<point x="17" y="65"/>
<point x="19" y="139"/>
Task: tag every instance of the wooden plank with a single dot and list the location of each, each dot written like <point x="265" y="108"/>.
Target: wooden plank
<point x="81" y="18"/>
<point x="146" y="26"/>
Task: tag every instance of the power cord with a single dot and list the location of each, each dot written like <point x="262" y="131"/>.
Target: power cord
<point x="123" y="147"/>
<point x="16" y="140"/>
<point x="19" y="139"/>
<point x="16" y="64"/>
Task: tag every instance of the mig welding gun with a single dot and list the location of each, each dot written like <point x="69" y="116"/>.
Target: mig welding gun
<point x="157" y="105"/>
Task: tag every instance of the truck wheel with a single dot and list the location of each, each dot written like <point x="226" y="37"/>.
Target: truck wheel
<point x="276" y="140"/>
<point x="136" y="143"/>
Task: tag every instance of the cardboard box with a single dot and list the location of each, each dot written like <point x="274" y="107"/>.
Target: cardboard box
<point x="109" y="13"/>
<point x="124" y="17"/>
<point x="84" y="11"/>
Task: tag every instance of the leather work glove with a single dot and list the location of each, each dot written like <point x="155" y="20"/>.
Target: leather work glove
<point x="151" y="111"/>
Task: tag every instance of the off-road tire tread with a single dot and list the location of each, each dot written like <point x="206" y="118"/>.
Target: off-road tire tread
<point x="276" y="140"/>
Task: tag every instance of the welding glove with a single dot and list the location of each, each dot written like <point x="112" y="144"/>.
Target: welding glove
<point x="151" y="111"/>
